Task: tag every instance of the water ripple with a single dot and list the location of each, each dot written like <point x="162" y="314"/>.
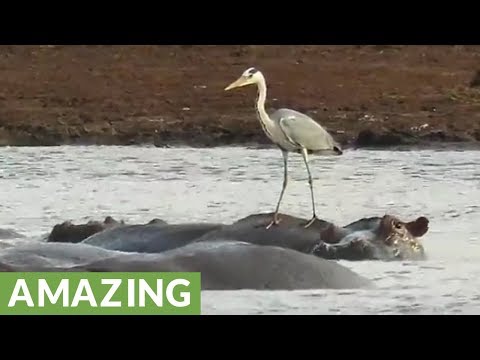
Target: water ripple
<point x="44" y="186"/>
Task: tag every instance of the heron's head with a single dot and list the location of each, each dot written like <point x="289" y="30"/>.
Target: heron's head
<point x="249" y="76"/>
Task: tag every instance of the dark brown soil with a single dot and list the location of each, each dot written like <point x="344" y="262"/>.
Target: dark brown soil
<point x="365" y="95"/>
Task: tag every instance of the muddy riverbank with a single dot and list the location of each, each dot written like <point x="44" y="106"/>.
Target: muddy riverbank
<point x="365" y="95"/>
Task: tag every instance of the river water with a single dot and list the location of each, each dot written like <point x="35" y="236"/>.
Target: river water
<point x="40" y="187"/>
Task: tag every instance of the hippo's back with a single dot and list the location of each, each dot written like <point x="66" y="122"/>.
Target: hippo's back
<point x="149" y="238"/>
<point x="36" y="254"/>
<point x="226" y="265"/>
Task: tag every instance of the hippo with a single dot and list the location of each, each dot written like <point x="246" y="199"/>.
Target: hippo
<point x="417" y="228"/>
<point x="228" y="265"/>
<point x="385" y="238"/>
<point x="375" y="238"/>
<point x="288" y="234"/>
<point x="68" y="232"/>
<point x="39" y="254"/>
<point x="6" y="268"/>
<point x="153" y="239"/>
<point x="149" y="238"/>
<point x="71" y="233"/>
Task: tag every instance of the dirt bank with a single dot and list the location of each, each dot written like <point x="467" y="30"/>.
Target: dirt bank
<point x="365" y="95"/>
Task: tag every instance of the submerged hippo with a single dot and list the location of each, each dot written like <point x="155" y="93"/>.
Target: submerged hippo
<point x="149" y="238"/>
<point x="288" y="234"/>
<point x="230" y="265"/>
<point x="154" y="239"/>
<point x="37" y="254"/>
<point x="385" y="238"/>
<point x="68" y="232"/>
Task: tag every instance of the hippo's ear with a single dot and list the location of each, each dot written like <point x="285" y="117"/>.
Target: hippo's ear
<point x="419" y="227"/>
<point x="109" y="220"/>
<point x="330" y="234"/>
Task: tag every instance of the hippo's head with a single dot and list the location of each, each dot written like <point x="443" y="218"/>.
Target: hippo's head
<point x="402" y="238"/>
<point x="69" y="232"/>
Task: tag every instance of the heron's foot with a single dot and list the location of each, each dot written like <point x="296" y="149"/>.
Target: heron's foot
<point x="311" y="221"/>
<point x="275" y="221"/>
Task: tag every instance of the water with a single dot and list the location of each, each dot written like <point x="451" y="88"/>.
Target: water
<point x="40" y="187"/>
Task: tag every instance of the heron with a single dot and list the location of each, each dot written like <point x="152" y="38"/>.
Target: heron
<point x="292" y="132"/>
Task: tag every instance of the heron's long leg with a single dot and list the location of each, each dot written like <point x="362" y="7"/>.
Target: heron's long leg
<point x="310" y="182"/>
<point x="275" y="220"/>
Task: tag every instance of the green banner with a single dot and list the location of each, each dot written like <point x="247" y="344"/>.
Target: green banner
<point x="98" y="293"/>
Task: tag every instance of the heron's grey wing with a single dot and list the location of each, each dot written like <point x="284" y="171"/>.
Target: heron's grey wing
<point x="302" y="130"/>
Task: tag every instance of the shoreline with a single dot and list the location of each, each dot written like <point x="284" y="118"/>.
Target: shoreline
<point x="421" y="146"/>
<point x="381" y="97"/>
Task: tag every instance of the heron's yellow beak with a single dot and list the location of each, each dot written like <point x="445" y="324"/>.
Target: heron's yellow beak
<point x="241" y="81"/>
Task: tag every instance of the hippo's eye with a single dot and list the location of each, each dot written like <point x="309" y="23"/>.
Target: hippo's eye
<point x="397" y="225"/>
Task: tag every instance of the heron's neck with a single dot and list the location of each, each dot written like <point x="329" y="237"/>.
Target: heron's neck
<point x="260" y="105"/>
